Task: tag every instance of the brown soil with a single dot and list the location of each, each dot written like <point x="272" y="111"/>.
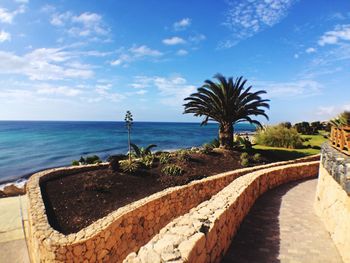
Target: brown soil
<point x="75" y="201"/>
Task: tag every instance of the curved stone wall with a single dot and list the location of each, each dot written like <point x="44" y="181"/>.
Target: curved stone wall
<point x="205" y="233"/>
<point x="332" y="203"/>
<point x="112" y="238"/>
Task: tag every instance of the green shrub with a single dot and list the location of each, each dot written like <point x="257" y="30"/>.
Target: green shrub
<point x="148" y="160"/>
<point x="245" y="162"/>
<point x="279" y="136"/>
<point x="244" y="142"/>
<point x="75" y="163"/>
<point x="114" y="161"/>
<point x="257" y="157"/>
<point x="164" y="158"/>
<point x="244" y="156"/>
<point x="94" y="159"/>
<point x="129" y="167"/>
<point x="172" y="170"/>
<point x="183" y="155"/>
<point x="206" y="148"/>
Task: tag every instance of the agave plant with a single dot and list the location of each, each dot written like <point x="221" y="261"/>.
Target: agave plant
<point x="227" y="102"/>
<point x="141" y="152"/>
<point x="343" y="119"/>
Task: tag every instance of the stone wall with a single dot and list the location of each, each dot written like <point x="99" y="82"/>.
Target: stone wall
<point x="112" y="238"/>
<point x="332" y="203"/>
<point x="205" y="233"/>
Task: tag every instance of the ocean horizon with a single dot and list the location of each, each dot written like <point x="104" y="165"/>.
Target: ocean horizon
<point x="27" y="147"/>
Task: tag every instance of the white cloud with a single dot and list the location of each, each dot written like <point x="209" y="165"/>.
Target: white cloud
<point x="296" y="56"/>
<point x="310" y="50"/>
<point x="60" y="90"/>
<point x="331" y="111"/>
<point x="22" y="1"/>
<point x="182" y="24"/>
<point x="84" y="25"/>
<point x="340" y="32"/>
<point x="197" y="38"/>
<point x="182" y="52"/>
<point x="247" y="18"/>
<point x="174" y="41"/>
<point x="7" y="16"/>
<point x="42" y="64"/>
<point x="135" y="53"/>
<point x="4" y="36"/>
<point x="283" y="90"/>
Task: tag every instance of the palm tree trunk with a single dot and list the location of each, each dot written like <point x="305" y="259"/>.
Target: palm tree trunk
<point x="226" y="136"/>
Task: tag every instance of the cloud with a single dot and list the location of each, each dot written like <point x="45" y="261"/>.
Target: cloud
<point x="135" y="53"/>
<point x="60" y="90"/>
<point x="310" y="50"/>
<point x="84" y="25"/>
<point x="284" y="90"/>
<point x="182" y="52"/>
<point x="7" y="16"/>
<point x="197" y="38"/>
<point x="340" y="32"/>
<point x="4" y="36"/>
<point x="248" y="18"/>
<point x="43" y="64"/>
<point x="173" y="41"/>
<point x="296" y="56"/>
<point x="182" y="24"/>
<point x="22" y="1"/>
<point x="331" y="111"/>
<point x="172" y="90"/>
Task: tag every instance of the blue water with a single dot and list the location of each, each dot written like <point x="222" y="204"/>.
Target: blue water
<point x="30" y="146"/>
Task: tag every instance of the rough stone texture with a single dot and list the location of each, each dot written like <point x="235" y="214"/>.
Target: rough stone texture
<point x="12" y="190"/>
<point x="337" y="164"/>
<point x="332" y="204"/>
<point x="282" y="227"/>
<point x="112" y="238"/>
<point x="205" y="233"/>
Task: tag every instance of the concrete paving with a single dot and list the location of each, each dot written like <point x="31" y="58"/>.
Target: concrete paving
<point x="282" y="227"/>
<point x="13" y="247"/>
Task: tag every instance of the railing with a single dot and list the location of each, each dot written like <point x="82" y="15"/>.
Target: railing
<point x="340" y="138"/>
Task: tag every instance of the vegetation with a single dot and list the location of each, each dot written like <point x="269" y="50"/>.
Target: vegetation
<point x="227" y="102"/>
<point x="93" y="159"/>
<point x="140" y="152"/>
<point x="164" y="158"/>
<point x="148" y="160"/>
<point x="257" y="157"/>
<point x="183" y="155"/>
<point x="128" y="123"/>
<point x="172" y="170"/>
<point x="279" y="136"/>
<point x="114" y="161"/>
<point x="342" y="119"/>
<point x="130" y="167"/>
<point x="244" y="159"/>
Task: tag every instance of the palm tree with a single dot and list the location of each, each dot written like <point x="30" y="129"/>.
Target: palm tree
<point x="227" y="102"/>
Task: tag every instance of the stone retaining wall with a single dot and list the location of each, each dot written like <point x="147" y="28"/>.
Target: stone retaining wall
<point x="205" y="233"/>
<point x="332" y="203"/>
<point x="112" y="238"/>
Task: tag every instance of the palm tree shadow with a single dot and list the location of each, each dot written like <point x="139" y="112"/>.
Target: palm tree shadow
<point x="258" y="238"/>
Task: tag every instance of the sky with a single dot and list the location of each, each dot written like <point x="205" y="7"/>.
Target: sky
<point x="94" y="60"/>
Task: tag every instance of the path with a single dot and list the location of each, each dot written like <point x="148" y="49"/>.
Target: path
<point x="12" y="244"/>
<point x="282" y="227"/>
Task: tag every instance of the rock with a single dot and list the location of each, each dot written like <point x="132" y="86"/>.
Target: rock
<point x="13" y="190"/>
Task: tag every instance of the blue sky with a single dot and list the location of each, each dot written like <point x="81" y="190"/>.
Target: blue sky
<point x="93" y="60"/>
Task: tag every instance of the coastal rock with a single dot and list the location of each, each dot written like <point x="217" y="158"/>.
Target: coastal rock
<point x="12" y="190"/>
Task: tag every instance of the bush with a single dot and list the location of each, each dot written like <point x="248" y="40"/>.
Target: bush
<point x="94" y="159"/>
<point x="257" y="157"/>
<point x="114" y="161"/>
<point x="148" y="160"/>
<point x="75" y="163"/>
<point x="183" y="156"/>
<point x="244" y="142"/>
<point x="172" y="170"/>
<point x="206" y="148"/>
<point x="244" y="156"/>
<point x="129" y="167"/>
<point x="164" y="158"/>
<point x="279" y="136"/>
<point x="245" y="162"/>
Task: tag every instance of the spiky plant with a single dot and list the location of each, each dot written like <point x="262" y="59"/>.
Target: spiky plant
<point x="140" y="152"/>
<point x="227" y="102"/>
<point x="342" y="119"/>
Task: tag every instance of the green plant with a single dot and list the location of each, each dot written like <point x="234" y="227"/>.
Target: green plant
<point x="75" y="163"/>
<point x="244" y="142"/>
<point x="183" y="155"/>
<point x="164" y="158"/>
<point x="206" y="148"/>
<point x="244" y="156"/>
<point x="140" y="152"/>
<point x="129" y="167"/>
<point x="94" y="159"/>
<point x="172" y="170"/>
<point x="128" y="123"/>
<point x="245" y="162"/>
<point x="114" y="161"/>
<point x="342" y="119"/>
<point x="148" y="160"/>
<point x="227" y="102"/>
<point x="279" y="136"/>
<point x="215" y="143"/>
<point x="257" y="157"/>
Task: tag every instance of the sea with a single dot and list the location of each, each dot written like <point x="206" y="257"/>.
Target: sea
<point x="27" y="147"/>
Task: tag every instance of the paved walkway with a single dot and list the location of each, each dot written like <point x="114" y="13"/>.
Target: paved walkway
<point x="12" y="244"/>
<point x="282" y="227"/>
